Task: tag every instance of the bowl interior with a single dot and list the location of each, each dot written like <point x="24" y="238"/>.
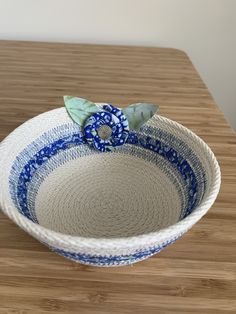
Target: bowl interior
<point x="152" y="182"/>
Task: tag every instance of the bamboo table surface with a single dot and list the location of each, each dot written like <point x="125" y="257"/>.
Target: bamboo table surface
<point x="197" y="274"/>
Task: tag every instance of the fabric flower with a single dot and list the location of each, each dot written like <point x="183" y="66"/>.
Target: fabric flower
<point x="106" y="129"/>
<point x="106" y="126"/>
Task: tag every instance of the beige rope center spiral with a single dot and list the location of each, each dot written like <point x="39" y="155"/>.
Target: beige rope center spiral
<point x="107" y="196"/>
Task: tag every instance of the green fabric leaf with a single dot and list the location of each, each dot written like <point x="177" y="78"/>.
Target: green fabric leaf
<point x="138" y="114"/>
<point x="80" y="109"/>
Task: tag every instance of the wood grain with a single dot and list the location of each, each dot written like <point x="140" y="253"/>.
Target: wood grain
<point x="195" y="275"/>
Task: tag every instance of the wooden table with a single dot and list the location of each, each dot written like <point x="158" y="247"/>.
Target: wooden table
<point x="195" y="275"/>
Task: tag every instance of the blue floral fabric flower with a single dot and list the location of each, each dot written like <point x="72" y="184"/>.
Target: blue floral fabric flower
<point x="106" y="129"/>
<point x="106" y="126"/>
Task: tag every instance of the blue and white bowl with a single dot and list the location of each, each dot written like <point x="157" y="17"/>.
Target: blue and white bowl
<point x="106" y="208"/>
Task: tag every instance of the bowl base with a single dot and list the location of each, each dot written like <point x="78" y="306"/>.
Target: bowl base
<point x="107" y="195"/>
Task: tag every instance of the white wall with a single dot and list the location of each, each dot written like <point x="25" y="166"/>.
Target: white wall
<point x="205" y="29"/>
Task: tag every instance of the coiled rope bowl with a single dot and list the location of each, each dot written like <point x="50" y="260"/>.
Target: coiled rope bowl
<point x="106" y="208"/>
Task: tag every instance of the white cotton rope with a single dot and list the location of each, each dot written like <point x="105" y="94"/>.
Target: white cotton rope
<point x="107" y="196"/>
<point x="105" y="204"/>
